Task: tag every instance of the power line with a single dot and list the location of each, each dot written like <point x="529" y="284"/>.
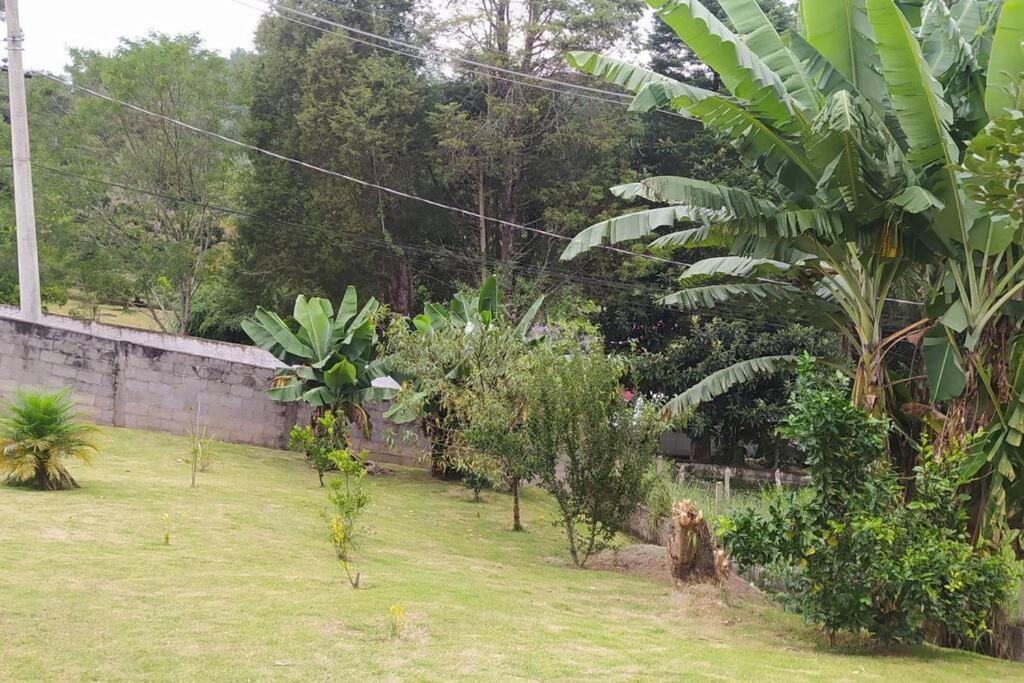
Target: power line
<point x="343" y="176"/>
<point x="448" y="55"/>
<point x="404" y="53"/>
<point x="277" y="11"/>
<point x="321" y="231"/>
<point x="382" y="188"/>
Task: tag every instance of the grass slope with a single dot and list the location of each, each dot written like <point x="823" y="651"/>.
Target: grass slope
<point x="248" y="589"/>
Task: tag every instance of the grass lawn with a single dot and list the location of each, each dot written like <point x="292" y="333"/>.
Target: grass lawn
<point x="130" y="316"/>
<point x="248" y="589"/>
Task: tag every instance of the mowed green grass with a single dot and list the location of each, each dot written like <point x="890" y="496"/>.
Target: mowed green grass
<point x="248" y="588"/>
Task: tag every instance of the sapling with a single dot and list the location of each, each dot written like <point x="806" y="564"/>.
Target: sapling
<point x="349" y="497"/>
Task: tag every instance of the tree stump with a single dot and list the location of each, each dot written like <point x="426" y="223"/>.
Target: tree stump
<point x="692" y="552"/>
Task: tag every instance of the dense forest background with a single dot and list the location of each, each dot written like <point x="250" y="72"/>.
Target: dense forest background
<point x="469" y="104"/>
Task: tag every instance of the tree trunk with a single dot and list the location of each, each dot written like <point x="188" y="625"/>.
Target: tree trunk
<point x="516" y="524"/>
<point x="869" y="382"/>
<point x="692" y="553"/>
<point x="482" y="208"/>
<point x="63" y="482"/>
<point x="570" y="534"/>
<point x="398" y="290"/>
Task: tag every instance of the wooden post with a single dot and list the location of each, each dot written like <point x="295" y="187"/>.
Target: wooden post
<point x="682" y="473"/>
<point x="778" y="478"/>
<point x="728" y="483"/>
<point x="719" y="493"/>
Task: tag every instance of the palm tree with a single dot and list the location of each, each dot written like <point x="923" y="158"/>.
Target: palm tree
<point x="860" y="122"/>
<point x="40" y="431"/>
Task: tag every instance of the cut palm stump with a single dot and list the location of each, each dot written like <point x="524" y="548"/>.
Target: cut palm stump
<point x="692" y="554"/>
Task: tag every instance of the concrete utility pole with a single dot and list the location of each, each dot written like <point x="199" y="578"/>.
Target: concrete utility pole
<point x="24" y="207"/>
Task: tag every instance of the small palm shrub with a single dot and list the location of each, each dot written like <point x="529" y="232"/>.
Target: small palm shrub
<point x="38" y="433"/>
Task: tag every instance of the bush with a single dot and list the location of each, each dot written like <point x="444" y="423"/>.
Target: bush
<point x="857" y="555"/>
<point x="39" y="432"/>
<point x="320" y="441"/>
<point x="594" y="449"/>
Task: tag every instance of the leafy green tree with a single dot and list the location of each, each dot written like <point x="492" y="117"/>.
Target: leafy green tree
<point x="520" y="153"/>
<point x="749" y="414"/>
<point x="339" y="104"/>
<point x="451" y="356"/>
<point x="858" y="555"/>
<point x="159" y="246"/>
<point x="593" y="448"/>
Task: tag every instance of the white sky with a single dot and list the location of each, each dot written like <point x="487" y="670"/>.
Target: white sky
<point x="53" y="26"/>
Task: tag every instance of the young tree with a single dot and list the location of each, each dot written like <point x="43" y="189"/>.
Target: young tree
<point x="594" y="449"/>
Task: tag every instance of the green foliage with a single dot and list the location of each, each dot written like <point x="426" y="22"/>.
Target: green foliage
<point x="320" y="441"/>
<point x="750" y="412"/>
<point x="856" y="125"/>
<point x="347" y="493"/>
<point x="203" y="451"/>
<point x="332" y="358"/>
<point x="451" y="356"/>
<point x="338" y="104"/>
<point x="135" y="245"/>
<point x="995" y="161"/>
<point x="495" y="432"/>
<point x="594" y="449"/>
<point x="37" y="434"/>
<point x="859" y="555"/>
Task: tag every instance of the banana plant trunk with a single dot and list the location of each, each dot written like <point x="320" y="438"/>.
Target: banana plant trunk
<point x="869" y="380"/>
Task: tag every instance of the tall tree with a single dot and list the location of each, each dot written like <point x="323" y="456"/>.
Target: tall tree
<point x="158" y="246"/>
<point x="343" y="105"/>
<point x="517" y="129"/>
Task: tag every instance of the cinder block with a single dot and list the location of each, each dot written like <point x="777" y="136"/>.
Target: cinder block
<point x="55" y="357"/>
<point x="90" y="377"/>
<point x="242" y="391"/>
<point x="217" y="388"/>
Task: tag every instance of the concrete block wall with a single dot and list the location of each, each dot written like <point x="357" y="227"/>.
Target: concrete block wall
<point x="147" y="380"/>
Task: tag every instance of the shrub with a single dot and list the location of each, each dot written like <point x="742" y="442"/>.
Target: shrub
<point x="39" y="432"/>
<point x="594" y="448"/>
<point x="320" y="441"/>
<point x="349" y="498"/>
<point x="478" y="474"/>
<point x="857" y="554"/>
<point x="202" y="451"/>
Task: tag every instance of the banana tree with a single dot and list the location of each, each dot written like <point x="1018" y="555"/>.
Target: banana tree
<point x="858" y="121"/>
<point x="331" y="358"/>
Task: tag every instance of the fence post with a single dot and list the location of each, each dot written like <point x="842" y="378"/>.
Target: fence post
<point x="719" y="490"/>
<point x="778" y="478"/>
<point x="728" y="483"/>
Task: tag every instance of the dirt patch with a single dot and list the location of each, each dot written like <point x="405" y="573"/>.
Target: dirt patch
<point x="644" y="560"/>
<point x="651" y="562"/>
